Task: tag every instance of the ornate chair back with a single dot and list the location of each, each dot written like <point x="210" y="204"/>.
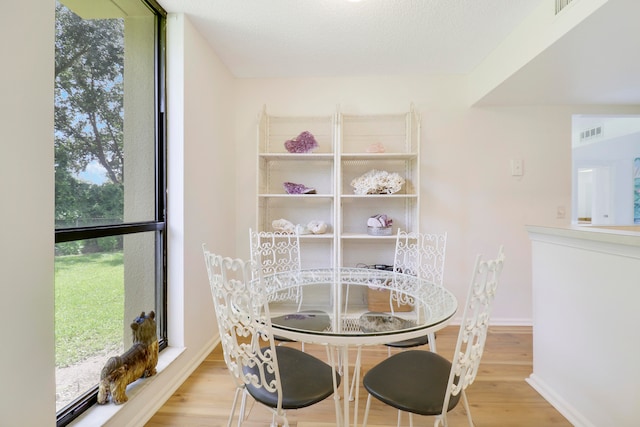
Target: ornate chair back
<point x="421" y="254"/>
<point x="244" y="323"/>
<point x="245" y="327"/>
<point x="474" y="325"/>
<point x="275" y="252"/>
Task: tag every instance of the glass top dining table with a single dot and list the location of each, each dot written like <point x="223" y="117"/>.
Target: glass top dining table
<point x="352" y="307"/>
<point x="355" y="306"/>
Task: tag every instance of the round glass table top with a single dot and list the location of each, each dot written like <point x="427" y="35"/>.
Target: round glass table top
<point x="355" y="305"/>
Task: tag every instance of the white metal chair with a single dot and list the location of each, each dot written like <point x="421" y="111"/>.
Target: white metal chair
<point x="275" y="252"/>
<point x="423" y="382"/>
<point x="280" y="378"/>
<point x="422" y="255"/>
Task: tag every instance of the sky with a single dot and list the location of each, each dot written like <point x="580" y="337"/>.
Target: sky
<point x="94" y="173"/>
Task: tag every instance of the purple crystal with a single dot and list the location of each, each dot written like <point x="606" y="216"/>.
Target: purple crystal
<point x="293" y="188"/>
<point x="303" y="143"/>
<point x="379" y="220"/>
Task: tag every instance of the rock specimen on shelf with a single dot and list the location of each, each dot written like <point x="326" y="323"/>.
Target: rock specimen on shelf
<point x="293" y="188"/>
<point x="377" y="182"/>
<point x="283" y="226"/>
<point x="303" y="143"/>
<point x="313" y="227"/>
<point x="380" y="220"/>
<point x="302" y="229"/>
<point x="317" y="227"/>
<point x="376" y="147"/>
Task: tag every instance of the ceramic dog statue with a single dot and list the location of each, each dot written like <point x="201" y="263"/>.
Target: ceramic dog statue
<point x="138" y="362"/>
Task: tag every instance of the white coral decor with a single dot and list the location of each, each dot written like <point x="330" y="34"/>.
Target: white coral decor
<point x="377" y="182"/>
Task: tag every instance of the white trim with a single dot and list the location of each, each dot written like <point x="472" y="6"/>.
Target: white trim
<point x="511" y="321"/>
<point x="569" y="412"/>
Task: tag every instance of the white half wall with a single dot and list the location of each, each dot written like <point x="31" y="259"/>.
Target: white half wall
<point x="585" y="347"/>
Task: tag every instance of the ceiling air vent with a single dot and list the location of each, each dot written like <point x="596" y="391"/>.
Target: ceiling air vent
<point x="589" y="134"/>
<point x="561" y="4"/>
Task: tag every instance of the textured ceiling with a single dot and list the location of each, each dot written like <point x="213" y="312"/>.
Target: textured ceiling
<point x="314" y="38"/>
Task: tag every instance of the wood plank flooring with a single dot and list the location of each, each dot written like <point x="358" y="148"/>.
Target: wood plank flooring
<point x="500" y="397"/>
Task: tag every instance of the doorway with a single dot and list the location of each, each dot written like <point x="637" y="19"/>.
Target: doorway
<point x="594" y="196"/>
<point x="604" y="153"/>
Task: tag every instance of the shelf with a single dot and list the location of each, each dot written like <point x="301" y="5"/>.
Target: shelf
<point x="342" y="155"/>
<point x="379" y="196"/>
<point x="297" y="156"/>
<point x="310" y="170"/>
<point x="397" y="133"/>
<point x="275" y="130"/>
<point x="296" y="196"/>
<point x="317" y="236"/>
<point x="364" y="236"/>
<point x="378" y="156"/>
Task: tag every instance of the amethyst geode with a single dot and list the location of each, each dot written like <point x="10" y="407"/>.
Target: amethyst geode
<point x="293" y="188"/>
<point x="303" y="143"/>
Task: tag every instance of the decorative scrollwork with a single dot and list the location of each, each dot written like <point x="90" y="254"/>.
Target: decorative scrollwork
<point x="244" y="323"/>
<point x="475" y="323"/>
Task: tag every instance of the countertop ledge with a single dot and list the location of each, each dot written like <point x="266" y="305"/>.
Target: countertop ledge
<point x="621" y="235"/>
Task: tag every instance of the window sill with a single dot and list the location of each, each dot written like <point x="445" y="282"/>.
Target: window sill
<point x="98" y="415"/>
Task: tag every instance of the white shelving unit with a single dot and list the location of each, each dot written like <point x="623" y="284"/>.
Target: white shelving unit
<point x="341" y="156"/>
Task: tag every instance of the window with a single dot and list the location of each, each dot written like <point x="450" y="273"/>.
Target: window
<point x="109" y="187"/>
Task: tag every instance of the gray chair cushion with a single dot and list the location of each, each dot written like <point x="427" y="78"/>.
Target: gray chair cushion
<point x="413" y="342"/>
<point x="305" y="380"/>
<point x="413" y="381"/>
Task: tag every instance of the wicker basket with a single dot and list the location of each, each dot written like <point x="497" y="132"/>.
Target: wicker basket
<point x="378" y="300"/>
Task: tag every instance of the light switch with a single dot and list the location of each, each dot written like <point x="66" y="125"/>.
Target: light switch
<point x="516" y="167"/>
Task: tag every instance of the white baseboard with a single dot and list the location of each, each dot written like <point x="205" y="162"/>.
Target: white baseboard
<point x="510" y="321"/>
<point x="568" y="411"/>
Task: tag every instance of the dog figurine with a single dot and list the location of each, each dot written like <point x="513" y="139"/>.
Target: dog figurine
<point x="138" y="362"/>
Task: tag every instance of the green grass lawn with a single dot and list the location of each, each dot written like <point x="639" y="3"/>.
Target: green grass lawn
<point x="89" y="305"/>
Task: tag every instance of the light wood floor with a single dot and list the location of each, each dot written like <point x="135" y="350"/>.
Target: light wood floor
<point x="499" y="397"/>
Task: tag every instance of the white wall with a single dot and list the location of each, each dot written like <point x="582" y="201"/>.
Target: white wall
<point x="467" y="188"/>
<point x="201" y="198"/>
<point x="208" y="174"/>
<point x="27" y="363"/>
